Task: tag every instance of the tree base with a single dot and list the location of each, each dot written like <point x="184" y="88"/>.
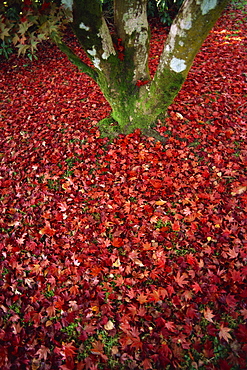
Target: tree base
<point x="109" y="128"/>
<point x="152" y="133"/>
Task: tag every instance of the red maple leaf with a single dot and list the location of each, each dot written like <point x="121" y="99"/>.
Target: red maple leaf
<point x="181" y="279"/>
<point x="47" y="230"/>
<point x="169" y="153"/>
<point x="146" y="364"/>
<point x="232" y="253"/>
<point x="170" y="326"/>
<point x="208" y="314"/>
<point x="117" y="242"/>
<point x="105" y="264"/>
<point x="242" y="333"/>
<point x="231" y="301"/>
<point x="69" y="350"/>
<point x="244" y="313"/>
<point x="176" y="226"/>
<point x="196" y="287"/>
<point x="154" y="296"/>
<point x="142" y="82"/>
<point x="156" y="183"/>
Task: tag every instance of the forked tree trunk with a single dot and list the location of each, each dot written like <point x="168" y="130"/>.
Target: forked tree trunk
<point x="121" y="59"/>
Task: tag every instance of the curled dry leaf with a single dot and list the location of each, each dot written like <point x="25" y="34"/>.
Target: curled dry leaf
<point x="239" y="190"/>
<point x="109" y="325"/>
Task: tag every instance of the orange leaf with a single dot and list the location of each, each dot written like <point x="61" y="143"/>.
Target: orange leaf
<point x="117" y="242"/>
<point x="59" y="304"/>
<point x="51" y="311"/>
<point x="142" y="298"/>
<point x="154" y="296"/>
<point x="95" y="309"/>
<point x="69" y="350"/>
<point x="224" y="333"/>
<point x="74" y="289"/>
<point x="37" y="269"/>
<point x="147" y="246"/>
<point x="97" y="348"/>
<point x="176" y="226"/>
<point x="160" y="202"/>
<point x="47" y="230"/>
<point x="169" y="153"/>
<point x="156" y="183"/>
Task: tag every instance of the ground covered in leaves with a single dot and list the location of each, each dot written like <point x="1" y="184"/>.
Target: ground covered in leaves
<point x="129" y="255"/>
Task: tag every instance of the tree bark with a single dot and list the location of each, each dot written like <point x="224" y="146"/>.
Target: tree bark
<point x="130" y="18"/>
<point x="121" y="60"/>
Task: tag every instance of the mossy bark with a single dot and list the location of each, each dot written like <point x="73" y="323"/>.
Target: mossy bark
<point x="121" y="59"/>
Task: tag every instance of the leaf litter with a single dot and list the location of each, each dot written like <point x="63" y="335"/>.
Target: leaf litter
<point x="131" y="254"/>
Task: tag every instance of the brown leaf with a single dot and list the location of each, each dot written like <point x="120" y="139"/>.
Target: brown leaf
<point x="42" y="352"/>
<point x="35" y="364"/>
<point x="239" y="190"/>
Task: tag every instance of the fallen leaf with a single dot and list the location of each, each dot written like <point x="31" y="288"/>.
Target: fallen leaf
<point x="208" y="314"/>
<point x="224" y="333"/>
<point x="109" y="325"/>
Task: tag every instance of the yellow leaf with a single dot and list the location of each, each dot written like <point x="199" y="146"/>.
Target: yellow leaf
<point x="23" y="27"/>
<point x="48" y="323"/>
<point x="95" y="309"/>
<point x="109" y="325"/>
<point x="117" y="263"/>
<point x="22" y="49"/>
<point x="15" y="39"/>
<point x="4" y="33"/>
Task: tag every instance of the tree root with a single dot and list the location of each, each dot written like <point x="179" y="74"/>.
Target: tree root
<point x="152" y="133"/>
<point x="109" y="128"/>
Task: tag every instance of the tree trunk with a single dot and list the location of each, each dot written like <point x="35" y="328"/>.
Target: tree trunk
<point x="121" y="60"/>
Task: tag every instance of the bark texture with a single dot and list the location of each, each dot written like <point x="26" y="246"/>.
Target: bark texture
<point x="121" y="59"/>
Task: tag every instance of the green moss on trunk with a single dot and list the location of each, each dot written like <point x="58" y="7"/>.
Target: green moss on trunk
<point x="119" y="67"/>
